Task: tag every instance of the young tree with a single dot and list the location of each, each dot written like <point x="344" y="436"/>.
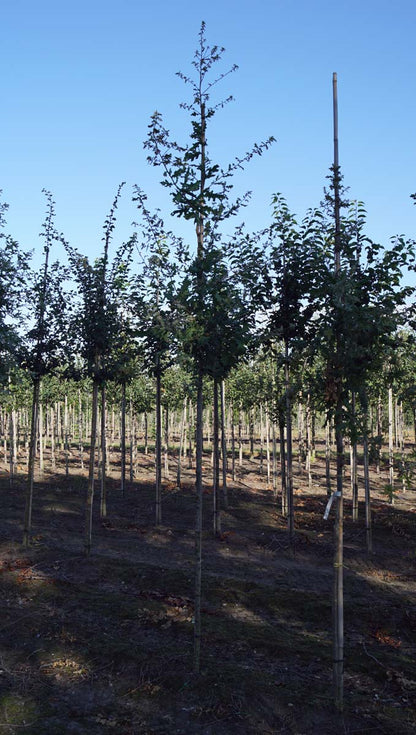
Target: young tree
<point x="201" y="192"/>
<point x="289" y="301"/>
<point x="154" y="310"/>
<point x="45" y="345"/>
<point x="96" y="329"/>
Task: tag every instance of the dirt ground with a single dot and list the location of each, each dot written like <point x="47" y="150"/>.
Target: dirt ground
<point x="104" y="644"/>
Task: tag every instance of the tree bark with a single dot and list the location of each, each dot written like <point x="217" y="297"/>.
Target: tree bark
<point x="32" y="451"/>
<point x="354" y="477"/>
<point x="223" y="447"/>
<point x="391" y="449"/>
<point x="158" y="450"/>
<point x="216" y="464"/>
<point x="289" y="471"/>
<point x="91" y="471"/>
<point x="283" y="464"/>
<point x="103" y="498"/>
<point x="198" y="525"/>
<point x="123" y="439"/>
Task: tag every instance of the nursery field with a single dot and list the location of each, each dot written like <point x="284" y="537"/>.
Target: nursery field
<point x="104" y="644"/>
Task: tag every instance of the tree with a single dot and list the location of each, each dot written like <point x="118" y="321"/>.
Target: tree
<point x="288" y="299"/>
<point x="362" y="304"/>
<point x="13" y="276"/>
<point x="45" y="344"/>
<point x="201" y="192"/>
<point x="154" y="311"/>
<point x="97" y="335"/>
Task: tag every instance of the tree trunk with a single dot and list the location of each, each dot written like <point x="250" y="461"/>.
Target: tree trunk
<point x="103" y="498"/>
<point x="132" y="440"/>
<point x="309" y="441"/>
<point x="240" y="439"/>
<point x="181" y="443"/>
<point x="301" y="437"/>
<point x="368" y="530"/>
<point x="268" y="467"/>
<point x="216" y="464"/>
<point x="91" y="470"/>
<point x="158" y="450"/>
<point x="198" y="525"/>
<point x="289" y="472"/>
<point x="32" y="450"/>
<point x="338" y="592"/>
<point x="13" y="444"/>
<point x="166" y="445"/>
<point x="146" y="432"/>
<point x="354" y="478"/>
<point x="391" y="450"/>
<point x="52" y="425"/>
<point x="328" y="458"/>
<point x="283" y="464"/>
<point x="123" y="439"/>
<point x="232" y="443"/>
<point x="251" y="431"/>
<point x="80" y="433"/>
<point x="261" y="440"/>
<point x="274" y="460"/>
<point x="41" y="444"/>
<point x="223" y="447"/>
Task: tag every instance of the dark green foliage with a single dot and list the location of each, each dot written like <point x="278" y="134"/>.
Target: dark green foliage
<point x="13" y="275"/>
<point x="46" y="345"/>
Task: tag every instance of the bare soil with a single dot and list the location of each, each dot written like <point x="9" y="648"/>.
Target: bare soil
<point x="104" y="644"/>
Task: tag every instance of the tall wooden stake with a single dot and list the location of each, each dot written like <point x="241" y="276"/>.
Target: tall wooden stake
<point x="338" y="592"/>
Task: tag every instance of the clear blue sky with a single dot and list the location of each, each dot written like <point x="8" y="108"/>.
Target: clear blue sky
<point x="80" y="81"/>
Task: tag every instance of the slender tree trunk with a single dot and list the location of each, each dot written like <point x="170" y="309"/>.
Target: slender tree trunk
<point x="181" y="443"/>
<point x="52" y="422"/>
<point x="309" y="441"/>
<point x="41" y="431"/>
<point x="414" y="423"/>
<point x="391" y="448"/>
<point x="166" y="445"/>
<point x="379" y="432"/>
<point x="80" y="432"/>
<point x="261" y="439"/>
<point x="223" y="447"/>
<point x="123" y="438"/>
<point x="328" y="458"/>
<point x="268" y="467"/>
<point x="158" y="450"/>
<point x="283" y="482"/>
<point x="190" y="433"/>
<point x="13" y="444"/>
<point x="232" y="443"/>
<point x="198" y="525"/>
<point x="103" y="498"/>
<point x="216" y="464"/>
<point x="132" y="440"/>
<point x="289" y="472"/>
<point x="91" y="471"/>
<point x="5" y="454"/>
<point x="240" y="439"/>
<point x="146" y="430"/>
<point x="338" y="595"/>
<point x="301" y="437"/>
<point x="32" y="451"/>
<point x="368" y="530"/>
<point x="251" y="431"/>
<point x="354" y="477"/>
<point x="274" y="460"/>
